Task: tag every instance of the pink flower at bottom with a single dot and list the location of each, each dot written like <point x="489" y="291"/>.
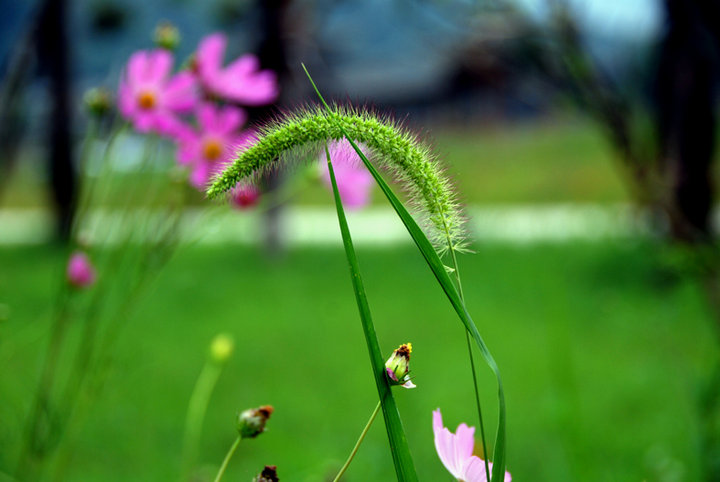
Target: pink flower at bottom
<point x="80" y="272"/>
<point x="150" y="98"/>
<point x="353" y="179"/>
<point x="210" y="148"/>
<point x="456" y="452"/>
<point x="243" y="197"/>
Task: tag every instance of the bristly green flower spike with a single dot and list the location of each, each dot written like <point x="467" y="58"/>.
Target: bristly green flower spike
<point x="300" y="136"/>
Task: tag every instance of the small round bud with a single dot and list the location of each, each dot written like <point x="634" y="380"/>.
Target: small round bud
<point x="98" y="101"/>
<point x="251" y="422"/>
<point x="244" y="197"/>
<point x="398" y="366"/>
<point x="80" y="271"/>
<point x="221" y="348"/>
<point x="269" y="474"/>
<point x="166" y="35"/>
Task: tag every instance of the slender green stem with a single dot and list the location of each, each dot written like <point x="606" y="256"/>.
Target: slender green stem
<point x="228" y="456"/>
<point x="359" y="442"/>
<point x="456" y="270"/>
<point x="196" y="412"/>
<point x="40" y="419"/>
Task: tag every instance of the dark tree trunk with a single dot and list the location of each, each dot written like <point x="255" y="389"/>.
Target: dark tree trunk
<point x="685" y="100"/>
<point x="54" y="56"/>
<point x="273" y="55"/>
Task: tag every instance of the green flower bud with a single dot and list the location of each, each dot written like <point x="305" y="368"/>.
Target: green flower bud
<point x="251" y="422"/>
<point x="221" y="348"/>
<point x="398" y="366"/>
<point x="98" y="101"/>
<point x="269" y="474"/>
<point x="166" y="35"/>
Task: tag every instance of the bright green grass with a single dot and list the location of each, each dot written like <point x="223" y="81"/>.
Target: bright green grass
<point x="601" y="352"/>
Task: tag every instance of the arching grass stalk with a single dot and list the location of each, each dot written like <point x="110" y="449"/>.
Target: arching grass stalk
<point x="440" y="271"/>
<point x="456" y="272"/>
<point x="301" y="136"/>
<point x="298" y="136"/>
<point x="358" y="443"/>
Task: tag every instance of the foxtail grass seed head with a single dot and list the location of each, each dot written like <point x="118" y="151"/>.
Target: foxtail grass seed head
<point x="221" y="348"/>
<point x="98" y="101"/>
<point x="166" y="36"/>
<point x="251" y="422"/>
<point x="301" y="137"/>
<point x="269" y="474"/>
<point x="398" y="366"/>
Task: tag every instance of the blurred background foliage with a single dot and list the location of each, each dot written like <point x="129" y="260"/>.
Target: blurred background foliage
<point x="608" y="345"/>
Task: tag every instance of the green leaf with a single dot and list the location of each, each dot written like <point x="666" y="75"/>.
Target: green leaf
<point x="404" y="466"/>
<point x="439" y="270"/>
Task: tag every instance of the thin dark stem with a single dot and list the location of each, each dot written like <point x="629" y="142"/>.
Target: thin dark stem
<point x="228" y="456"/>
<point x="358" y="443"/>
<point x="456" y="270"/>
<point x="36" y="439"/>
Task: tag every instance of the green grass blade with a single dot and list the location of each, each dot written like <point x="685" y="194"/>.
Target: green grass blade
<point x="404" y="466"/>
<point x="438" y="269"/>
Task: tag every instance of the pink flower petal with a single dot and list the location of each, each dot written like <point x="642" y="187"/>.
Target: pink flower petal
<point x="180" y="93"/>
<point x="210" y="56"/>
<point x="353" y="179"/>
<point x="445" y="446"/>
<point x="474" y="470"/>
<point x="136" y="68"/>
<point x="465" y="441"/>
<point x="159" y="65"/>
<point x="200" y="175"/>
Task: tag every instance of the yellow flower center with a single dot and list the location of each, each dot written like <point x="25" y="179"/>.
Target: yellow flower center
<point x="212" y="149"/>
<point x="146" y="100"/>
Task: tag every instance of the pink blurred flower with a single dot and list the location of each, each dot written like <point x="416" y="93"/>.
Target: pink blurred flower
<point x="353" y="179"/>
<point x="244" y="197"/>
<point x="456" y="452"/>
<point x="149" y="97"/>
<point x="241" y="81"/>
<point x="80" y="272"/>
<point x="208" y="149"/>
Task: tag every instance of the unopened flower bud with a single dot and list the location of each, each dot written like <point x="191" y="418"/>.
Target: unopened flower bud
<point x="80" y="272"/>
<point x="98" y="101"/>
<point x="221" y="348"/>
<point x="244" y="197"/>
<point x="251" y="422"/>
<point x="269" y="474"/>
<point x="398" y="366"/>
<point x="166" y="35"/>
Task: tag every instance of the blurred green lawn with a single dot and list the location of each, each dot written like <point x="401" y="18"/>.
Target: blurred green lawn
<point x="601" y="349"/>
<point x="564" y="160"/>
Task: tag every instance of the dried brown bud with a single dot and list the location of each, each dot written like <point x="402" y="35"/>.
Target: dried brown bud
<point x="269" y="474"/>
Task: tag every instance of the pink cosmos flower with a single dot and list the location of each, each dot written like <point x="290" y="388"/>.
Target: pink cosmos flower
<point x="353" y="179"/>
<point x="208" y="149"/>
<point x="241" y="81"/>
<point x="80" y="272"/>
<point x="244" y="197"/>
<point x="149" y="97"/>
<point x="456" y="452"/>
